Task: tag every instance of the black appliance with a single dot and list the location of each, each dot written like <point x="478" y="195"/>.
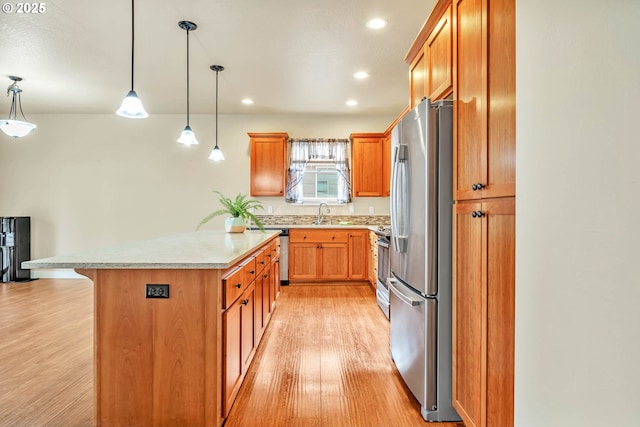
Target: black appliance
<point x="15" y="247"/>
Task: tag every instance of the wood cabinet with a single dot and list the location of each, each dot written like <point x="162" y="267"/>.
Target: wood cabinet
<point x="484" y="99"/>
<point x="438" y="53"/>
<point x="358" y="254"/>
<point x="368" y="159"/>
<point x="268" y="163"/>
<point x="249" y="299"/>
<point x="417" y="79"/>
<point x="431" y="57"/>
<point x="484" y="311"/>
<point x="327" y="255"/>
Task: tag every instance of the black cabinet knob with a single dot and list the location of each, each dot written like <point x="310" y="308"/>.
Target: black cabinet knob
<point x="239" y="285"/>
<point x="245" y="302"/>
<point x="478" y="186"/>
<point x="477" y="214"/>
<point x="265" y="275"/>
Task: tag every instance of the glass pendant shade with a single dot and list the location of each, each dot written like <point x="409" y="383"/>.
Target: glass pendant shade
<point x="11" y="126"/>
<point x="216" y="155"/>
<point x="131" y="107"/>
<point x="16" y="128"/>
<point x="187" y="137"/>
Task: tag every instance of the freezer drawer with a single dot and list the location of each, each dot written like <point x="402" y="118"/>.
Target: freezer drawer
<point x="413" y="341"/>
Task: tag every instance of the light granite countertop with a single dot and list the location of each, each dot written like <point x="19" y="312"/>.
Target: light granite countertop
<point x="211" y="249"/>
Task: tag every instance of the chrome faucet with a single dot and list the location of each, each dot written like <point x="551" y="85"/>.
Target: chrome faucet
<point x="320" y="216"/>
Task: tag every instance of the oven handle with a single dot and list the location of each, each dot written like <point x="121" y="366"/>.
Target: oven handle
<point x="383" y="242"/>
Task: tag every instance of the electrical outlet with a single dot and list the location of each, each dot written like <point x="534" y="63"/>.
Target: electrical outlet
<point x="157" y="291"/>
<point x="371" y="209"/>
<point x="270" y="209"/>
<point x="352" y="209"/>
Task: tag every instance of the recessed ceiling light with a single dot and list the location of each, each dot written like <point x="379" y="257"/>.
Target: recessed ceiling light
<point x="352" y="102"/>
<point x="247" y="101"/>
<point x="361" y="75"/>
<point x="376" y="23"/>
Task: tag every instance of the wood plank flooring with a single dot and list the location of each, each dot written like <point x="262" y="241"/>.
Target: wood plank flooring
<point x="322" y="361"/>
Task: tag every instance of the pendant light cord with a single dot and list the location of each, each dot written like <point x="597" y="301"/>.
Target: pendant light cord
<point x="132" y="39"/>
<point x="187" y="77"/>
<point x="216" y="109"/>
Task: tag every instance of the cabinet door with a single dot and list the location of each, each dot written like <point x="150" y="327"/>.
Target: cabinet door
<point x="439" y="60"/>
<point x="500" y="222"/>
<point x="267" y="280"/>
<point x="247" y="326"/>
<point x="231" y="358"/>
<point x="469" y="100"/>
<point x="484" y="312"/>
<point x="268" y="163"/>
<point x="469" y="329"/>
<point x="257" y="310"/>
<point x="417" y="79"/>
<point x="367" y="165"/>
<point x="484" y="148"/>
<point x="358" y="254"/>
<point x="303" y="261"/>
<point x="334" y="261"/>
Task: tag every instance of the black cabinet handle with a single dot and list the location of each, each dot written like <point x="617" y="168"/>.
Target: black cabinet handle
<point x="478" y="186"/>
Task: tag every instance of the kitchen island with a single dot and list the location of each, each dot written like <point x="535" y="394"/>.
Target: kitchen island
<point x="164" y="348"/>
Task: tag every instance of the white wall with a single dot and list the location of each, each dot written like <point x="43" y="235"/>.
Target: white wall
<point x="90" y="181"/>
<point x="578" y="214"/>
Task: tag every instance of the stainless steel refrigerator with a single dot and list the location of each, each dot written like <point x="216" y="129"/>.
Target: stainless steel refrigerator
<point x="420" y="255"/>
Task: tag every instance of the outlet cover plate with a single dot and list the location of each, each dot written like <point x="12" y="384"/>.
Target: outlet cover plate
<point x="157" y="291"/>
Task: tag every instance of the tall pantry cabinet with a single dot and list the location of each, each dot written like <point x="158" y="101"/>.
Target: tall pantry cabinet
<point x="484" y="211"/>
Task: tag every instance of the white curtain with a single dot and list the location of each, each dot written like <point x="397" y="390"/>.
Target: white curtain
<point x="327" y="150"/>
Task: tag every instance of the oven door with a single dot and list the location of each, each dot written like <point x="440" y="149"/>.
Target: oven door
<point x="383" y="261"/>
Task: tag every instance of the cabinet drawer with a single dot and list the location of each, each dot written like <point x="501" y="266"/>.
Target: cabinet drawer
<point x="233" y="285"/>
<point x="261" y="260"/>
<point x="249" y="270"/>
<point x="304" y="235"/>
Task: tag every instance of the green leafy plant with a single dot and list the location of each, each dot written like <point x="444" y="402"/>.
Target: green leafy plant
<point x="240" y="207"/>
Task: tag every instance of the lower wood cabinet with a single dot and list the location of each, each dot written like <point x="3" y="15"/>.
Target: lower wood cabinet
<point x="373" y="259"/>
<point x="249" y="297"/>
<point x="484" y="311"/>
<point x="328" y="255"/>
<point x="238" y="345"/>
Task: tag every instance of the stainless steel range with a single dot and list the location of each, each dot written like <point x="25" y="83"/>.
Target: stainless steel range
<point x="382" y="292"/>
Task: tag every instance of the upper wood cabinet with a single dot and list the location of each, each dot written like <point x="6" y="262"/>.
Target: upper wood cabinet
<point x="438" y="52"/>
<point x="431" y="57"/>
<point x="268" y="163"/>
<point x="367" y="158"/>
<point x="417" y="79"/>
<point x="484" y="99"/>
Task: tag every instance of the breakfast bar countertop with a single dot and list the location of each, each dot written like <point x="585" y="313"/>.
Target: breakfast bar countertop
<point x="210" y="249"/>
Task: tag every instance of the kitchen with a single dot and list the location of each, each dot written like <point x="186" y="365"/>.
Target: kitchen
<point x="41" y="178"/>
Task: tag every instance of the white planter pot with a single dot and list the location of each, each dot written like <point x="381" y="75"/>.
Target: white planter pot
<point x="234" y="225"/>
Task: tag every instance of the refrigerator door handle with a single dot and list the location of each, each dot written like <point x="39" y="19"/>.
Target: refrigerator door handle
<point x="394" y="171"/>
<point x="407" y="299"/>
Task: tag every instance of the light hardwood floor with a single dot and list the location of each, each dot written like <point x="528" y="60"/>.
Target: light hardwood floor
<point x="324" y="361"/>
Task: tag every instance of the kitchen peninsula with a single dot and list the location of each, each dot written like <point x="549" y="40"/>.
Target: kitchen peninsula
<point x="177" y="321"/>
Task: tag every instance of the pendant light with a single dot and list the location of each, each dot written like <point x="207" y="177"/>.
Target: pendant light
<point x="11" y="126"/>
<point x="131" y="106"/>
<point x="216" y="154"/>
<point x="187" y="137"/>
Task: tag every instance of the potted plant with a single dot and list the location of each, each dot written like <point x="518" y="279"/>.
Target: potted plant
<point x="240" y="210"/>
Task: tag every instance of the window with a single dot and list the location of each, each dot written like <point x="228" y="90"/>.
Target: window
<point x="318" y="171"/>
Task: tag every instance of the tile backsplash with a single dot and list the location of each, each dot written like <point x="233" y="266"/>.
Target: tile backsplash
<point x="382" y="220"/>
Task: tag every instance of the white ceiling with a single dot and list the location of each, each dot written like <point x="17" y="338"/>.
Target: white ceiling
<point x="290" y="56"/>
